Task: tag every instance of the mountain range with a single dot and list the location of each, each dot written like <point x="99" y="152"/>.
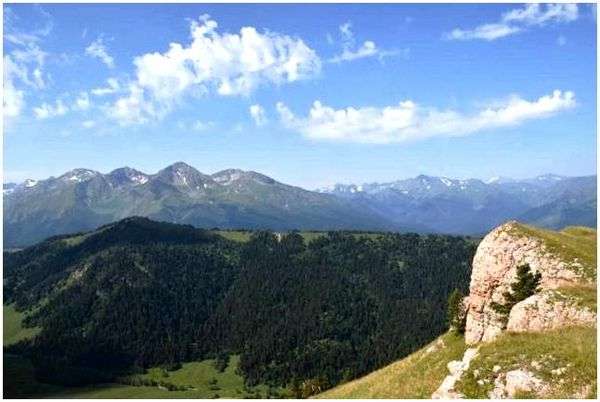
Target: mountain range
<point x="83" y="199"/>
<point x="472" y="206"/>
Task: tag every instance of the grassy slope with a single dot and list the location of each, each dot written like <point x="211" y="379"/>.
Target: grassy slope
<point x="19" y="382"/>
<point x="573" y="348"/>
<point x="416" y="376"/>
<point x="13" y="331"/>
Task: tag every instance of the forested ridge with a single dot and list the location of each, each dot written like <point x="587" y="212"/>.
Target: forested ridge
<point x="140" y="293"/>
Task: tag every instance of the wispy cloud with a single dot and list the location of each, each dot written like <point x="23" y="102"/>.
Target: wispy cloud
<point x="517" y="20"/>
<point x="409" y="121"/>
<point x="224" y="64"/>
<point x="97" y="49"/>
<point x="257" y="112"/>
<point x="350" y="52"/>
<point x="112" y="86"/>
<point x="88" y="124"/>
<point x="24" y="62"/>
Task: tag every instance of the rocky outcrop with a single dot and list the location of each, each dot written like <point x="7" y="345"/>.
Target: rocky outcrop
<point x="456" y="368"/>
<point x="494" y="269"/>
<point x="517" y="382"/>
<point x="548" y="310"/>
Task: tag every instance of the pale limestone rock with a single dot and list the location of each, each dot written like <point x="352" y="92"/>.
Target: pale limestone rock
<point x="494" y="269"/>
<point x="523" y="381"/>
<point x="508" y="385"/>
<point x="456" y="368"/>
<point x="548" y="310"/>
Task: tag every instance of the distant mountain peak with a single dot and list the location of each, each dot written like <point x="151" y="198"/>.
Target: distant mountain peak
<point x="230" y="176"/>
<point x="181" y="166"/>
<point x="183" y="175"/>
<point x="126" y="175"/>
<point x="79" y="175"/>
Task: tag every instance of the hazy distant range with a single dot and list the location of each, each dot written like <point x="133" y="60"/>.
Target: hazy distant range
<point x="83" y="199"/>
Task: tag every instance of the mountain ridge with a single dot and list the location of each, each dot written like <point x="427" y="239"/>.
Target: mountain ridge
<point x="82" y="199"/>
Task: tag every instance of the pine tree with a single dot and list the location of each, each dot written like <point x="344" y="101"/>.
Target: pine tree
<point x="456" y="317"/>
<point x="526" y="285"/>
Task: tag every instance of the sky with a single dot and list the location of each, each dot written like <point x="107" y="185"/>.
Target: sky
<point x="310" y="95"/>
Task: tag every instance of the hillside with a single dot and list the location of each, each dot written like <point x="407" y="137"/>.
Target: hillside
<point x="415" y="376"/>
<point x="96" y="307"/>
<point x="549" y="352"/>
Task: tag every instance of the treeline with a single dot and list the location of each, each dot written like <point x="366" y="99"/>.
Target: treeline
<point x="306" y="316"/>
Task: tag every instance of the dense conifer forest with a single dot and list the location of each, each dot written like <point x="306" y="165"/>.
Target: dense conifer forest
<point x="140" y="293"/>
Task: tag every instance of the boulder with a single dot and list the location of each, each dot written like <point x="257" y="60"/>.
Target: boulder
<point x="548" y="310"/>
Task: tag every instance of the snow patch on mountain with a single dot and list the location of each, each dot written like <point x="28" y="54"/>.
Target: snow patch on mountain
<point x="446" y="181"/>
<point x="30" y="183"/>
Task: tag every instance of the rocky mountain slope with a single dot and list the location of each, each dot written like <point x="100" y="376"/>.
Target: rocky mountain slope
<point x="472" y="206"/>
<point x="548" y="349"/>
<point x="84" y="199"/>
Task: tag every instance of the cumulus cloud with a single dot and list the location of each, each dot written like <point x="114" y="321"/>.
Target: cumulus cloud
<point x="46" y="110"/>
<point x="351" y="52"/>
<point x="82" y="102"/>
<point x="409" y="121"/>
<point x="257" y="112"/>
<point x="97" y="49"/>
<point x="13" y="99"/>
<point x="61" y="107"/>
<point x="225" y="64"/>
<point x="518" y="20"/>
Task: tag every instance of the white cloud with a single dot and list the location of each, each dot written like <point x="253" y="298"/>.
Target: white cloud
<point x="487" y="32"/>
<point x="82" y="102"/>
<point x="45" y="110"/>
<point x="113" y="86"/>
<point x="257" y="112"/>
<point x="213" y="62"/>
<point x="24" y="62"/>
<point x="350" y="52"/>
<point x="518" y="20"/>
<point x="202" y="126"/>
<point x="98" y="50"/>
<point x="536" y="14"/>
<point x="13" y="100"/>
<point x="408" y="121"/>
<point x="88" y="123"/>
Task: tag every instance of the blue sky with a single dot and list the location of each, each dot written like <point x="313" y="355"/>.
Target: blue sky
<point x="308" y="94"/>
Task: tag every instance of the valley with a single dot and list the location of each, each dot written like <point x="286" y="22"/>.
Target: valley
<point x="109" y="304"/>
